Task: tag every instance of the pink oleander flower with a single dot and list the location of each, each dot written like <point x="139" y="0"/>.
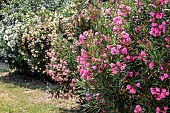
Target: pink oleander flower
<point x="93" y="59"/>
<point x="118" y="20"/>
<point x="118" y="64"/>
<point x="106" y="61"/>
<point x="88" y="97"/>
<point x="166" y="1"/>
<point x="98" y="60"/>
<point x="165" y="108"/>
<point x="112" y="65"/>
<point x="167" y="46"/>
<point x="119" y="47"/>
<point x="122" y="6"/>
<point x="109" y="47"/>
<point x="132" y="90"/>
<point x="81" y="39"/>
<point x="104" y="65"/>
<point x="163" y="2"/>
<point x="53" y="59"/>
<point x="125" y="35"/>
<point x="151" y="65"/>
<point x="123" y="67"/>
<point x="128" y="87"/>
<point x="159" y="15"/>
<point x="114" y="70"/>
<point x="138" y="85"/>
<point x="50" y="72"/>
<point x="96" y="33"/>
<point x="97" y="96"/>
<point x="143" y="54"/>
<point x="152" y="14"/>
<point x="162" y="27"/>
<point x="124" y="51"/>
<point x="138" y="2"/>
<point x="131" y="74"/>
<point x="164" y="76"/>
<point x="104" y="55"/>
<point x="87" y="65"/>
<point x="129" y="58"/>
<point x="99" y="71"/>
<point x="128" y="8"/>
<point x="74" y="88"/>
<point x="155" y="32"/>
<point x="154" y="24"/>
<point x="153" y="5"/>
<point x="115" y="29"/>
<point x="158" y="109"/>
<point x="51" y="54"/>
<point x="125" y="39"/>
<point x="94" y="67"/>
<point x="114" y="51"/>
<point x="167" y="39"/>
<point x="161" y="67"/>
<point x="152" y="90"/>
<point x="138" y="109"/>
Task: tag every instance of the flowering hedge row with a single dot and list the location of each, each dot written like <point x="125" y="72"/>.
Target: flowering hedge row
<point x="124" y="62"/>
<point x="114" y="55"/>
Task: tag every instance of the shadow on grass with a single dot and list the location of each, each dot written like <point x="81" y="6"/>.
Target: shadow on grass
<point x="18" y="80"/>
<point x="4" y="67"/>
<point x="12" y="77"/>
<point x="74" y="110"/>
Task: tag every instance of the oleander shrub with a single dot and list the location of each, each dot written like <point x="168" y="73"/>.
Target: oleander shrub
<point x="124" y="63"/>
<point x="115" y="55"/>
<point x="74" y="20"/>
<point x="62" y="67"/>
<point x="36" y="40"/>
<point x="26" y="32"/>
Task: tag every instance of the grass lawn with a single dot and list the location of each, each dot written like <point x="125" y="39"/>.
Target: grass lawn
<point x="18" y="95"/>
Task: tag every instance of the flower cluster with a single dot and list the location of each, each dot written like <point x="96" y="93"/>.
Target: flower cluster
<point x="157" y="29"/>
<point x="159" y="93"/>
<point x="165" y="109"/>
<point x="57" y="68"/>
<point x="138" y="109"/>
<point x="85" y="71"/>
<point x="132" y="88"/>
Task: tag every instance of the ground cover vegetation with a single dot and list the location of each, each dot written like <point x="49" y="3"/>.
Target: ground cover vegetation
<point x="27" y="95"/>
<point x="115" y="55"/>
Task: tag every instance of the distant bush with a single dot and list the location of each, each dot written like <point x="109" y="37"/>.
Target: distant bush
<point x="20" y="18"/>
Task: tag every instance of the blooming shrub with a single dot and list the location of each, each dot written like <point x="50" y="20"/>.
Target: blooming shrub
<point x="17" y="18"/>
<point x="64" y="50"/>
<point x="124" y="64"/>
<point x="114" y="54"/>
<point x="10" y="38"/>
<point x="36" y="40"/>
<point x="62" y="67"/>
